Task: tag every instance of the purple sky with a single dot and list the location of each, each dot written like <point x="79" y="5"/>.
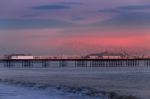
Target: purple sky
<point x="57" y="27"/>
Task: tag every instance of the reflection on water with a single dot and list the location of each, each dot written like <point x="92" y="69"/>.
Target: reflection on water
<point x="18" y="92"/>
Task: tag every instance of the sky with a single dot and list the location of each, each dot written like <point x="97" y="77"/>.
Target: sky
<point x="74" y="27"/>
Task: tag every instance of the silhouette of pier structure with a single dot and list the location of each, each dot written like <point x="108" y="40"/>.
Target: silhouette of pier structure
<point x="46" y="63"/>
<point x="105" y="59"/>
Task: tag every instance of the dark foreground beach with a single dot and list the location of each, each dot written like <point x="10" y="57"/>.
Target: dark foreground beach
<point x="117" y="83"/>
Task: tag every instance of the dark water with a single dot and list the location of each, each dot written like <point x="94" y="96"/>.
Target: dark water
<point x="8" y="91"/>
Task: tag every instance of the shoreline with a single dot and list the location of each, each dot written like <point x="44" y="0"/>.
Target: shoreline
<point x="94" y="82"/>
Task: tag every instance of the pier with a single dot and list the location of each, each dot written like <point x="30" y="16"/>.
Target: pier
<point x="47" y="63"/>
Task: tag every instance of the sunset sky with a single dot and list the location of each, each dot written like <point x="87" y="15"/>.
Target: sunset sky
<point x="74" y="27"/>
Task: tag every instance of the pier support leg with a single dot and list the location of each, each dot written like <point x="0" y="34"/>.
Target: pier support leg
<point x="62" y="63"/>
<point x="27" y="64"/>
<point x="45" y="64"/>
<point x="8" y="64"/>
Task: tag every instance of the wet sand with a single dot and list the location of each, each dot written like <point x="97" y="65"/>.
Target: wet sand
<point x="133" y="81"/>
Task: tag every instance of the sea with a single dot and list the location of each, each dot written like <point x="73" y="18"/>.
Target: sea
<point x="10" y="91"/>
